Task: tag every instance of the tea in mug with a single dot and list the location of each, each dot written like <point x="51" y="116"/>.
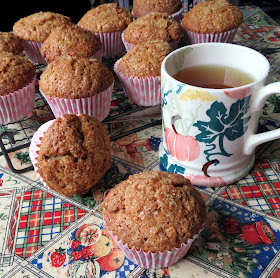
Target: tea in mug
<point x="214" y="77"/>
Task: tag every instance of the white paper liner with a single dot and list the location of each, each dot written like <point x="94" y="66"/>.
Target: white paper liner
<point x="112" y="43"/>
<point x="193" y="38"/>
<point x="32" y="52"/>
<point x="17" y="105"/>
<point x="128" y="45"/>
<point x="98" y="105"/>
<point x="35" y="146"/>
<point x="155" y="260"/>
<point x="143" y="91"/>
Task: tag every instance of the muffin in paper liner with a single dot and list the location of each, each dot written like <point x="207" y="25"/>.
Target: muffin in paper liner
<point x="155" y="260"/>
<point x="128" y="45"/>
<point x="35" y="146"/>
<point x="143" y="91"/>
<point x="18" y="104"/>
<point x="32" y="52"/>
<point x="98" y="105"/>
<point x="176" y="16"/>
<point x="112" y="43"/>
<point x="193" y="38"/>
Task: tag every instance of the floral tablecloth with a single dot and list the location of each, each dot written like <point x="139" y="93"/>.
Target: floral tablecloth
<point x="45" y="234"/>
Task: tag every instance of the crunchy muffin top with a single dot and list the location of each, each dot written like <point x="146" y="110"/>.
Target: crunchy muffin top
<point x="38" y="26"/>
<point x="142" y="7"/>
<point x="9" y="42"/>
<point x="152" y="26"/>
<point x="75" y="77"/>
<point x="210" y="17"/>
<point x="74" y="154"/>
<point x="154" y="211"/>
<point x="15" y="72"/>
<point x="144" y="59"/>
<point x="70" y="40"/>
<point x="106" y="18"/>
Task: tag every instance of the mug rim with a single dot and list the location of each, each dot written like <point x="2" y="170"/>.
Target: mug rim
<point x="163" y="65"/>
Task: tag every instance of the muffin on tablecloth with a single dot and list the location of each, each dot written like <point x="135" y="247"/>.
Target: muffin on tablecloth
<point x="108" y="22"/>
<point x="154" y="217"/>
<point x="9" y="42"/>
<point x="74" y="84"/>
<point x="173" y="8"/>
<point x="71" y="40"/>
<point x="211" y="21"/>
<point x="152" y="26"/>
<point x="139" y="71"/>
<point x="17" y="87"/>
<point x="73" y="155"/>
<point x="35" y="28"/>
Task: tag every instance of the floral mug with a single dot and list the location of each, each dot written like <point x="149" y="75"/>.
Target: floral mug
<point x="208" y="135"/>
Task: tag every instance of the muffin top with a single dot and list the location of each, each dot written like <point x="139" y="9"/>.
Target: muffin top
<point x="74" y="154"/>
<point x="70" y="40"/>
<point x="9" y="42"/>
<point x="210" y="17"/>
<point x="154" y="211"/>
<point x="142" y="7"/>
<point x="38" y="26"/>
<point x="106" y="18"/>
<point x="144" y="59"/>
<point x="152" y="26"/>
<point x="15" y="72"/>
<point x="75" y="77"/>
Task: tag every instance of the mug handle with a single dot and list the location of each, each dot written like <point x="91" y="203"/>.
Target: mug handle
<point x="254" y="140"/>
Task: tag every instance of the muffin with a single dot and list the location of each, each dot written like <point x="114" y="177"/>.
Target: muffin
<point x="173" y="8"/>
<point x="108" y="22"/>
<point x="35" y="28"/>
<point x="211" y="21"/>
<point x="71" y="40"/>
<point x="9" y="42"/>
<point x="139" y="71"/>
<point x="152" y="26"/>
<point x="154" y="216"/>
<point x="17" y="87"/>
<point x="74" y="154"/>
<point x="74" y="84"/>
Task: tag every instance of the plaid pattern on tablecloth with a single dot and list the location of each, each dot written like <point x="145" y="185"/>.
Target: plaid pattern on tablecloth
<point x="42" y="217"/>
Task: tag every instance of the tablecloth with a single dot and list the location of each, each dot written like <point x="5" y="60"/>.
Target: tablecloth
<point x="42" y="232"/>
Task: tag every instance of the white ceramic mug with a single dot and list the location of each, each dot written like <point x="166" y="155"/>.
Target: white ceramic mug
<point x="208" y="135"/>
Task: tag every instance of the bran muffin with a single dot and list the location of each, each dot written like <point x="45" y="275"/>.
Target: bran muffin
<point x="9" y="42"/>
<point x="154" y="212"/>
<point x="75" y="84"/>
<point x="173" y="8"/>
<point x="17" y="87"/>
<point x="74" y="154"/>
<point x="71" y="40"/>
<point x="107" y="21"/>
<point x="212" y="21"/>
<point x="139" y="71"/>
<point x="34" y="30"/>
<point x="152" y="26"/>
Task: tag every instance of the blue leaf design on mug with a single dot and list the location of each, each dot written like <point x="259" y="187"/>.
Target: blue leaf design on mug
<point x="231" y="124"/>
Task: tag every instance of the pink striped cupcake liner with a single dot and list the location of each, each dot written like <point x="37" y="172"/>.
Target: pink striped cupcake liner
<point x="128" y="45"/>
<point x="17" y="105"/>
<point x="155" y="260"/>
<point x="142" y="91"/>
<point x="32" y="52"/>
<point x="112" y="43"/>
<point x="176" y="16"/>
<point x="193" y="38"/>
<point x="35" y="146"/>
<point x="97" y="106"/>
